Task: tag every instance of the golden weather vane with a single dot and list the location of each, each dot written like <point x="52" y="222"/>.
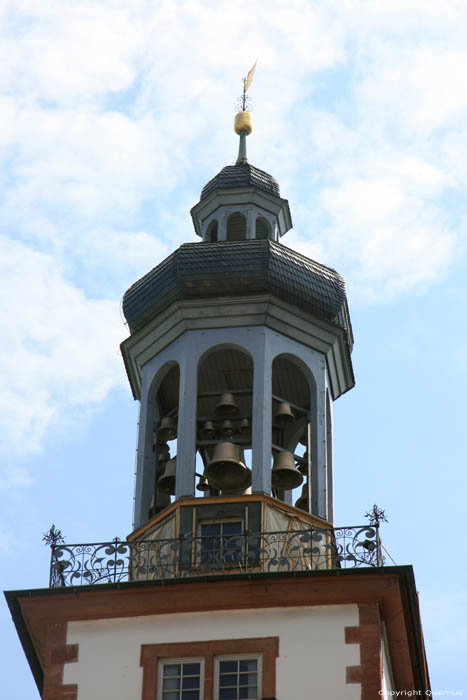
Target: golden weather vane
<point x="242" y="122"/>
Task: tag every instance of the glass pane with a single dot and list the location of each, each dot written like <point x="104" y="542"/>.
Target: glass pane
<point x="211" y="530"/>
<point x="248" y="693"/>
<point x="172" y="669"/>
<point x="247" y="679"/>
<point x="190" y="695"/>
<point x="232" y="528"/>
<point x="228" y="694"/>
<point x="171" y="684"/>
<point x="228" y="679"/>
<point x="248" y="664"/>
<point x="228" y="666"/>
<point x="191" y="669"/>
<point x="170" y="696"/>
<point x="191" y="682"/>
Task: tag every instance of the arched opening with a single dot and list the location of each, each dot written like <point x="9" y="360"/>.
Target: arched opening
<point x="236" y="227"/>
<point x="262" y="228"/>
<point x="290" y="448"/>
<point x="212" y="232"/>
<point x="224" y="417"/>
<point x="165" y="439"/>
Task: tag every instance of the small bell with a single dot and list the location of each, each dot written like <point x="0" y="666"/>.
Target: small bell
<point x="166" y="483"/>
<point x="245" y="427"/>
<point x="302" y="502"/>
<point x="167" y="429"/>
<point x="227" y="429"/>
<point x="226" y="407"/>
<point x="208" y="432"/>
<point x="226" y="470"/>
<point x="303" y="464"/>
<point x="202" y="484"/>
<point x="163" y="451"/>
<point x="284" y="416"/>
<point x="284" y="475"/>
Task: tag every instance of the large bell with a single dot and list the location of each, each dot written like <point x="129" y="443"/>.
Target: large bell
<point x="284" y="475"/>
<point x="302" y="502"/>
<point x="167" y="429"/>
<point x="226" y="470"/>
<point x="284" y="416"/>
<point x="208" y="432"/>
<point x="166" y="483"/>
<point x="226" y="407"/>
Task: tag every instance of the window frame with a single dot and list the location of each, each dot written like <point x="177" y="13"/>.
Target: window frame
<point x="152" y="654"/>
<point x="238" y="657"/>
<point x="179" y="660"/>
<point x="222" y="549"/>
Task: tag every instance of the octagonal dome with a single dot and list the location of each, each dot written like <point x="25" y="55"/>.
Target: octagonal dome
<point x="241" y="175"/>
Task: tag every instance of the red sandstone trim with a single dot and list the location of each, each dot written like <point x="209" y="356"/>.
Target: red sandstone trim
<point x="368" y="634"/>
<point x="152" y="653"/>
<point x="57" y="654"/>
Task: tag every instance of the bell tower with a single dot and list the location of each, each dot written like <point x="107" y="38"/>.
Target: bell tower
<point x="238" y="347"/>
<point x="234" y="582"/>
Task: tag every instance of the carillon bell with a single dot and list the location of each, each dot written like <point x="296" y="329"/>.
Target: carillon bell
<point x="167" y="429"/>
<point x="245" y="427"/>
<point x="226" y="407"/>
<point x="285" y="475"/>
<point x="284" y="416"/>
<point x="208" y="432"/>
<point x="226" y="470"/>
<point x="163" y="451"/>
<point x="227" y="428"/>
<point x="202" y="484"/>
<point x="303" y="465"/>
<point x="302" y="502"/>
<point x="166" y="483"/>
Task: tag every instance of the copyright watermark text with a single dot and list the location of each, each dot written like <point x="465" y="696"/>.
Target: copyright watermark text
<point x="420" y="693"/>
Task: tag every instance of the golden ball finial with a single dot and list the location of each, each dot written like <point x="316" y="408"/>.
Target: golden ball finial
<point x="242" y="123"/>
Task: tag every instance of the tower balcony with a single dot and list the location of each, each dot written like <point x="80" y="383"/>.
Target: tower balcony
<point x="221" y="552"/>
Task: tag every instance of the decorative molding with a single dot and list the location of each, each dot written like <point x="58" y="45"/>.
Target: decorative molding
<point x="268" y="647"/>
<point x="233" y="312"/>
<point x="57" y="654"/>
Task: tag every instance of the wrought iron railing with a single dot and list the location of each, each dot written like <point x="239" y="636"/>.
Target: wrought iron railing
<point x="251" y="553"/>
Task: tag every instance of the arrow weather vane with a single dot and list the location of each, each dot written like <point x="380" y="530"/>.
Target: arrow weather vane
<point x="243" y="103"/>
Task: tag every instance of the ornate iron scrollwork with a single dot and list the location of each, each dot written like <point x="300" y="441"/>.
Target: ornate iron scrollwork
<point x="292" y="550"/>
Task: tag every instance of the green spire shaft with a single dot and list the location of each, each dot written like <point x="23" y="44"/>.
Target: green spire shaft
<point x="242" y="159"/>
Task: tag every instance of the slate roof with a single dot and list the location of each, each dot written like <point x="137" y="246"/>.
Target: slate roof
<point x="241" y="175"/>
<point x="206" y="270"/>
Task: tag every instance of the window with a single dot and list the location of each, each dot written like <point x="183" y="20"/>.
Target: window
<point x="221" y="669"/>
<point x="237" y="677"/>
<point x="180" y="679"/>
<point x="221" y="543"/>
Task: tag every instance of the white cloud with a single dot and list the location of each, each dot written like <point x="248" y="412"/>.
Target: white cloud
<point x="59" y="348"/>
<point x="113" y="115"/>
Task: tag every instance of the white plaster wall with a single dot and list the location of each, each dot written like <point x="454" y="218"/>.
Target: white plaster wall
<point x="312" y="659"/>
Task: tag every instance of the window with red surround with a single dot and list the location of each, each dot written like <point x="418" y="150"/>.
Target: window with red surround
<point x="210" y="656"/>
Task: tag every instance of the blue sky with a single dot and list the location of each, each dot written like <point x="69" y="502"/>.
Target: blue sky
<point x="113" y="115"/>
